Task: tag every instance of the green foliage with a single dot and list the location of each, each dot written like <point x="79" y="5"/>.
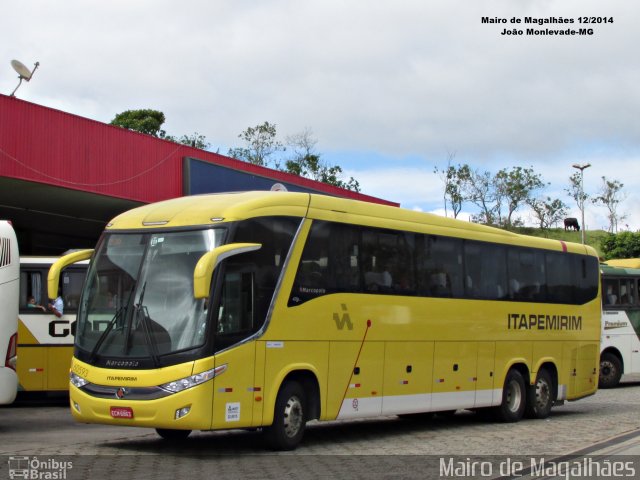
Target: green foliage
<point x="548" y="212"/>
<point x="610" y="197"/>
<point x="195" y="140"/>
<point x="310" y="166"/>
<point x="478" y="187"/>
<point x="574" y="190"/>
<point x="621" y="245"/>
<point x="260" y="145"/>
<point x="516" y="186"/>
<point x="144" y="121"/>
<point x="454" y="178"/>
<point x="150" y="122"/>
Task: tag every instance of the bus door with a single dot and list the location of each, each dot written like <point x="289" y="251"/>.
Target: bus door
<point x="233" y="394"/>
<point x="45" y="341"/>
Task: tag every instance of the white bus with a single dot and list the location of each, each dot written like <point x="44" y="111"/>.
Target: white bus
<point x="9" y="284"/>
<point x="620" y="340"/>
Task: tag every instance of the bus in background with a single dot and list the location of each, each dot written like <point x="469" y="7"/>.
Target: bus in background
<point x="270" y="309"/>
<point x="9" y="272"/>
<point x="620" y="345"/>
<point x="45" y="341"/>
<point x="624" y="262"/>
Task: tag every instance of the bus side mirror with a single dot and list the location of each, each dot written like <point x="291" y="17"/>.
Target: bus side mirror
<point x="53" y="279"/>
<point x="203" y="272"/>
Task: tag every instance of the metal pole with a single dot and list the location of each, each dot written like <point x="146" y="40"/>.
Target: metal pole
<point x="582" y="200"/>
<point x="581" y="203"/>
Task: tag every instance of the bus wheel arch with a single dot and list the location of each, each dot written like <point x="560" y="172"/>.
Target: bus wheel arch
<point x="514" y="395"/>
<point x="543" y="392"/>
<point x="611" y="368"/>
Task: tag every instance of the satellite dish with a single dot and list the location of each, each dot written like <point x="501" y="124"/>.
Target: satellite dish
<point x="21" y="69"/>
<point x="278" y="187"/>
<point x="23" y="72"/>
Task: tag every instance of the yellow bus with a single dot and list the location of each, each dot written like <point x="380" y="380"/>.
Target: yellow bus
<point x="269" y="309"/>
<point x="45" y="341"/>
<point x="625" y="262"/>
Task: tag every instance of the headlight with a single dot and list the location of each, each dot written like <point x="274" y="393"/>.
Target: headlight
<point x="197" y="379"/>
<point x="77" y="381"/>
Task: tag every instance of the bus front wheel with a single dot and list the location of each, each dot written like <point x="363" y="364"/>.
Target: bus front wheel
<point x="289" y="418"/>
<point x="541" y="396"/>
<point x="610" y="370"/>
<point x="173" y="435"/>
<point x="513" y="398"/>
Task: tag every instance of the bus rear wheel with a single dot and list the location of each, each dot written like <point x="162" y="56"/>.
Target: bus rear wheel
<point x="540" y="396"/>
<point x="610" y="370"/>
<point x="514" y="395"/>
<point x="289" y="418"/>
<point x="172" y="434"/>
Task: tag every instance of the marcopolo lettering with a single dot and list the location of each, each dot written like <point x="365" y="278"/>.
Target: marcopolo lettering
<point x="532" y="321"/>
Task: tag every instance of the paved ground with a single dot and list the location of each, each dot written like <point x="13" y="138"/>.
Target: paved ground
<point x="607" y="424"/>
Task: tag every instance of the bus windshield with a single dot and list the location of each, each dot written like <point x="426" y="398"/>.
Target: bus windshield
<point x="138" y="297"/>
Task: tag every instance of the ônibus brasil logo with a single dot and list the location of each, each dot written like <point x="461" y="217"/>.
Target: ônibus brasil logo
<point x="35" y="468"/>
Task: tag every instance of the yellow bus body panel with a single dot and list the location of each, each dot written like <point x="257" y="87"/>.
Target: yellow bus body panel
<point x="158" y="413"/>
<point x="42" y="367"/>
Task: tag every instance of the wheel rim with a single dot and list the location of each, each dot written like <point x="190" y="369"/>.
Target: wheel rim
<point x="293" y="416"/>
<point x="543" y="393"/>
<point x="607" y="370"/>
<point x="514" y="396"/>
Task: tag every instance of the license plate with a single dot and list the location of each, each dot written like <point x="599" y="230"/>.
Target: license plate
<point x="121" y="412"/>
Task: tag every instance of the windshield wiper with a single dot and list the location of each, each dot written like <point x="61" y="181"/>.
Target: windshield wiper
<point x="144" y="313"/>
<point x="103" y="335"/>
<point x="141" y="312"/>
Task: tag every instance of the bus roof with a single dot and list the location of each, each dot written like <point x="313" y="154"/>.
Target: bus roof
<point x="615" y="271"/>
<point x="211" y="209"/>
<point x="624" y="262"/>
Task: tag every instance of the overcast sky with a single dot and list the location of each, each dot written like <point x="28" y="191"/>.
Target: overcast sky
<point x="389" y="89"/>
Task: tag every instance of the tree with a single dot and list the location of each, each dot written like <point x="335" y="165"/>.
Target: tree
<point x="548" y="212"/>
<point x="260" y="145"/>
<point x="575" y="190"/>
<point x="453" y="178"/>
<point x="621" y="245"/>
<point x="610" y="197"/>
<point x="305" y="162"/>
<point x="479" y="188"/>
<point x="516" y="187"/>
<point x="150" y="122"/>
<point x="195" y="140"/>
<point x="144" y="121"/>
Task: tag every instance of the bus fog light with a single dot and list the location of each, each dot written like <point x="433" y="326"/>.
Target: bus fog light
<point x="181" y="412"/>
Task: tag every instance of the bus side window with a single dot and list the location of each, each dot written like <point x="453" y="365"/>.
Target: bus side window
<point x="626" y="292"/>
<point x="32" y="285"/>
<point x="611" y="292"/>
